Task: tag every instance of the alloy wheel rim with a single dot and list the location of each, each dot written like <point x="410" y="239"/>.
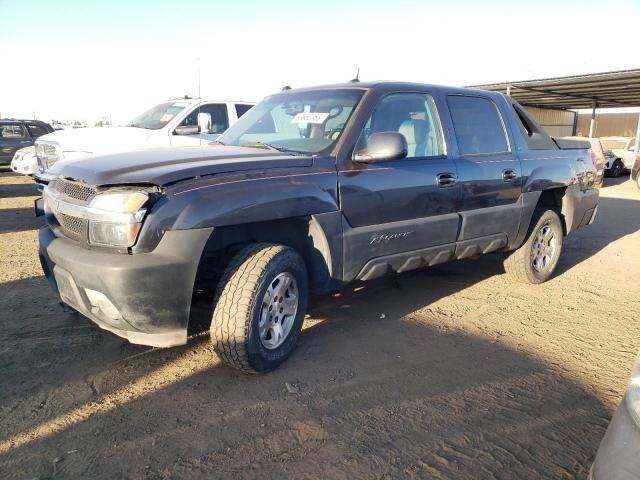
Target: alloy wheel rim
<point x="278" y="310"/>
<point x="544" y="248"/>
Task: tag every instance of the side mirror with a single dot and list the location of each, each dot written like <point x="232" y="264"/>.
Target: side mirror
<point x="381" y="147"/>
<point x="187" y="130"/>
<point x="204" y="122"/>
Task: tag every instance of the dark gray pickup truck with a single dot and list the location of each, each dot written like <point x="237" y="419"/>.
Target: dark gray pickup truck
<point x="311" y="189"/>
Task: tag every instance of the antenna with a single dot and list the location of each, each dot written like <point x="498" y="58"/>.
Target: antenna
<point x="198" y="77"/>
<point x="356" y="79"/>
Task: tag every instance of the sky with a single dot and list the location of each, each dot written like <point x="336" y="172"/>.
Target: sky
<point x="80" y="60"/>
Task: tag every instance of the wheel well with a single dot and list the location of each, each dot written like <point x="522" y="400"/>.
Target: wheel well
<point x="301" y="233"/>
<point x="552" y="199"/>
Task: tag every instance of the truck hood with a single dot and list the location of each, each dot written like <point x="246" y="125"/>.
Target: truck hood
<point x="163" y="166"/>
<point x="97" y="140"/>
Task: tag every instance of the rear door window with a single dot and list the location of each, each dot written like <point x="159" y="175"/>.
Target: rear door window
<point x="13" y="132"/>
<point x="478" y="126"/>
<point x="241" y="109"/>
<point x="36" y="130"/>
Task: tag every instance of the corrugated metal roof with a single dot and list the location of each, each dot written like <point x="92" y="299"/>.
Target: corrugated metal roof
<point x="609" y="89"/>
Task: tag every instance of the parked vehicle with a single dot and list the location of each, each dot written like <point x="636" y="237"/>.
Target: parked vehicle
<point x="188" y="121"/>
<point x="17" y="134"/>
<point x="598" y="157"/>
<point x="25" y="161"/>
<point x="310" y="190"/>
<point x="617" y="457"/>
<point x="621" y="156"/>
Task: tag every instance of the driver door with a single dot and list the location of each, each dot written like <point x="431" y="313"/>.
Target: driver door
<point x="400" y="214"/>
<point x="219" y="123"/>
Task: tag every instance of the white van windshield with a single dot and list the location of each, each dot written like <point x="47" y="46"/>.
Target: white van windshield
<point x="157" y="117"/>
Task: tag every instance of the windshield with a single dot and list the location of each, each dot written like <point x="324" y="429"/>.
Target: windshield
<point x="296" y="122"/>
<point x="157" y="117"/>
<point x="613" y="144"/>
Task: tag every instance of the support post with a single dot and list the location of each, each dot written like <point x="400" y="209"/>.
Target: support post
<point x="592" y="125"/>
<point x="636" y="149"/>
<point x="509" y="90"/>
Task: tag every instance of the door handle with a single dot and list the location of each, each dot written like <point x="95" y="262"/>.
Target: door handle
<point x="446" y="179"/>
<point x="509" y="175"/>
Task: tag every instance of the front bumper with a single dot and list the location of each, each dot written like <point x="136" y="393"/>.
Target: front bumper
<point x="151" y="292"/>
<point x="618" y="456"/>
<point x="42" y="179"/>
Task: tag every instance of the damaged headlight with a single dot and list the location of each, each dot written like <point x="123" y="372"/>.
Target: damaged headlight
<point x="47" y="155"/>
<point x="116" y="218"/>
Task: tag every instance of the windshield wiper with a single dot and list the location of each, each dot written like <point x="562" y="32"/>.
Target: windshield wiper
<point x="270" y="147"/>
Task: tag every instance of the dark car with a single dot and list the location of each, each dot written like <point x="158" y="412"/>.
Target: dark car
<point x="311" y="189"/>
<point x="17" y="134"/>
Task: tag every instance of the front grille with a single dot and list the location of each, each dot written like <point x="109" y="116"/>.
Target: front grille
<point x="49" y="150"/>
<point x="75" y="190"/>
<point x="72" y="227"/>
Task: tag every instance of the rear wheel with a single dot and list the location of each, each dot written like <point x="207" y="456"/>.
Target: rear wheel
<point x="260" y="306"/>
<point x="617" y="168"/>
<point x="638" y="179"/>
<point x="537" y="258"/>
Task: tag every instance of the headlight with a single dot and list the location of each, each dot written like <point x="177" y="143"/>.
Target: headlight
<point x="633" y="393"/>
<point x="113" y="234"/>
<point x="47" y="155"/>
<point x="119" y="202"/>
<point x="116" y="218"/>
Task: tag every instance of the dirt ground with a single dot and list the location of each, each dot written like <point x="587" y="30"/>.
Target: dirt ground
<point x="453" y="372"/>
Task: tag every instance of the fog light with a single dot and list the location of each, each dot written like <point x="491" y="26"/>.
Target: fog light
<point x="101" y="304"/>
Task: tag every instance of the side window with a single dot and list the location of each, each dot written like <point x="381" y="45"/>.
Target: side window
<point x="414" y="116"/>
<point x="219" y="118"/>
<point x="13" y="132"/>
<point x="241" y="109"/>
<point x="36" y="130"/>
<point x="478" y="125"/>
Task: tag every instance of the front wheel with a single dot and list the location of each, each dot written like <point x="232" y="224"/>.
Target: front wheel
<point x="537" y="258"/>
<point x="617" y="168"/>
<point x="260" y="306"/>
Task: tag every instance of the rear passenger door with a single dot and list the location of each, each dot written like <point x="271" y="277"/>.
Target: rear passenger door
<point x="394" y="210"/>
<point x="489" y="172"/>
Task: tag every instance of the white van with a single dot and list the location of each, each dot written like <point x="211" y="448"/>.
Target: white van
<point x="187" y="121"/>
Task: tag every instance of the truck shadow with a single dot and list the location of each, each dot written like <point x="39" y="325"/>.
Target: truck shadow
<point x="371" y="397"/>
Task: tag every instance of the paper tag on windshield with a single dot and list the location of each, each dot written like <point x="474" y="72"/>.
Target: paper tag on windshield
<point x="166" y="117"/>
<point x="310" y="117"/>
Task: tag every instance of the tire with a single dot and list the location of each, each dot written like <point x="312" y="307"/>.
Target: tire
<point x="523" y="264"/>
<point x="638" y="179"/>
<point x="257" y="274"/>
<point x="617" y="168"/>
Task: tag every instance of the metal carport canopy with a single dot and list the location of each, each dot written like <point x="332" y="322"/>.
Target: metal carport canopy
<point x="600" y="90"/>
<point x="594" y="90"/>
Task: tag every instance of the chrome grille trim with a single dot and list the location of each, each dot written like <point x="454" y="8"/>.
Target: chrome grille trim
<point x="75" y="190"/>
<point x="73" y="227"/>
